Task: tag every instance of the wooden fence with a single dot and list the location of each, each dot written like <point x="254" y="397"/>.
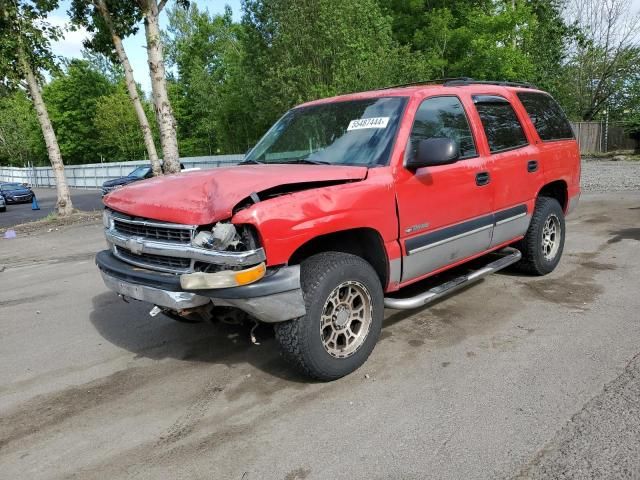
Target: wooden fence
<point x="593" y="137"/>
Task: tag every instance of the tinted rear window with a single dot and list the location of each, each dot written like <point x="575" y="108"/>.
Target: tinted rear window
<point x="501" y="125"/>
<point x="546" y="115"/>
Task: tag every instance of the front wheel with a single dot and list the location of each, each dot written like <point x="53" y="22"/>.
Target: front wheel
<point x="345" y="307"/>
<point x="543" y="244"/>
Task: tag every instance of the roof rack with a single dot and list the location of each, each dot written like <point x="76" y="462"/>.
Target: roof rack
<point x="461" y="81"/>
<point x="435" y="81"/>
<point x="470" y="81"/>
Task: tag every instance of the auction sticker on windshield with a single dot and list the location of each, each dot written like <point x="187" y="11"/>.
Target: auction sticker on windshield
<point x="373" y="122"/>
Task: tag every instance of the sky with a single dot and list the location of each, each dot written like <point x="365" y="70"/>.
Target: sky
<point x="71" y="45"/>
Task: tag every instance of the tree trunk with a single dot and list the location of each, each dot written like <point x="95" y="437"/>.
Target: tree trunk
<point x="147" y="134"/>
<point x="164" y="113"/>
<point x="63" y="205"/>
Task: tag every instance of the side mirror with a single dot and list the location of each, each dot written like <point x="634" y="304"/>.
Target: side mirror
<point x="434" y="151"/>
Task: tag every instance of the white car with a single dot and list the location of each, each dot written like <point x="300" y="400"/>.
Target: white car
<point x="3" y="204"/>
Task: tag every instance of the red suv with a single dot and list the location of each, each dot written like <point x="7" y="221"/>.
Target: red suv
<point x="344" y="202"/>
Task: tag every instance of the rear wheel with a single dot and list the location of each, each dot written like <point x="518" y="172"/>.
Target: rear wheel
<point x="344" y="302"/>
<point x="543" y="244"/>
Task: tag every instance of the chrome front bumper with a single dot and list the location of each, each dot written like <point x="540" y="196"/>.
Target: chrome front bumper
<point x="277" y="297"/>
<point x="163" y="298"/>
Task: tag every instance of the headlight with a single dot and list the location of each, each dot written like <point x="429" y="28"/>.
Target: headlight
<point x="224" y="279"/>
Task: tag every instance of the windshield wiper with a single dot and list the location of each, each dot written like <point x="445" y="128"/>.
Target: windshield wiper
<point x="251" y="161"/>
<point x="309" y="161"/>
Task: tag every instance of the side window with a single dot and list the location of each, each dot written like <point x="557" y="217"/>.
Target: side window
<point x="439" y="117"/>
<point x="500" y="123"/>
<point x="546" y="115"/>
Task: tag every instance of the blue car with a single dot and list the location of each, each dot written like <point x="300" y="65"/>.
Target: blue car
<point x="15" y="193"/>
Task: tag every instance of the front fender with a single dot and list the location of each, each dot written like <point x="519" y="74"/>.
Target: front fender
<point x="287" y="222"/>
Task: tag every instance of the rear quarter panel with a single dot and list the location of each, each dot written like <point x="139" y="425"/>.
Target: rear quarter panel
<point x="561" y="161"/>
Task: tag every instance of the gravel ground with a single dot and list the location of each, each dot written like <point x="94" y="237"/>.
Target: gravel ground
<point x="609" y="176"/>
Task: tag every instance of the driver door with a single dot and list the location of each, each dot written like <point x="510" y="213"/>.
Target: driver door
<point x="445" y="211"/>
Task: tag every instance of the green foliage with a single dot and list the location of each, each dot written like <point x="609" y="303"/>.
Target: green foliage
<point x="105" y="65"/>
<point x="126" y="17"/>
<point x="291" y="52"/>
<point x="478" y="39"/>
<point x="21" y="139"/>
<point x="118" y="129"/>
<point x="201" y="48"/>
<point x="23" y="28"/>
<point x="72" y="98"/>
<point x="299" y="51"/>
<point x="229" y="81"/>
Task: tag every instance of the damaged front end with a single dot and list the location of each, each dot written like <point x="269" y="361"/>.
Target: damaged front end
<point x="184" y="267"/>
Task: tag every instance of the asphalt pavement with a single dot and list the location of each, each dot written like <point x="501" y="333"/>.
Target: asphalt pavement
<point x="514" y="377"/>
<point x="86" y="200"/>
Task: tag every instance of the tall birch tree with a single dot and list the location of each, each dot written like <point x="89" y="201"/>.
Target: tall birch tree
<point x="25" y="52"/>
<point x="109" y="28"/>
<point x="150" y="10"/>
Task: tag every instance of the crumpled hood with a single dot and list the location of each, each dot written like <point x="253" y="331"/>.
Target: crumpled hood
<point x="207" y="196"/>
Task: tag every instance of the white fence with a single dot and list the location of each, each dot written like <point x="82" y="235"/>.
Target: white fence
<point x="94" y="174"/>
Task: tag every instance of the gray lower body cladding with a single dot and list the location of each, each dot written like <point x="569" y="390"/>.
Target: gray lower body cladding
<point x="434" y="250"/>
<point x="275" y="298"/>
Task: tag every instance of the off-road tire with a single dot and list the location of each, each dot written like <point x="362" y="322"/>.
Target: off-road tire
<point x="300" y="339"/>
<point x="533" y="259"/>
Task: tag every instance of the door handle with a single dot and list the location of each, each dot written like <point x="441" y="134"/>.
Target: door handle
<point x="482" y="178"/>
<point x="532" y="166"/>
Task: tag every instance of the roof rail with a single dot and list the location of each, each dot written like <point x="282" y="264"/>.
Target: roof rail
<point x="461" y="81"/>
<point x="470" y="81"/>
<point x="434" y="81"/>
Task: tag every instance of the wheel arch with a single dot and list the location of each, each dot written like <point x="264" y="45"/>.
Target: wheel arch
<point x="557" y="189"/>
<point x="363" y="242"/>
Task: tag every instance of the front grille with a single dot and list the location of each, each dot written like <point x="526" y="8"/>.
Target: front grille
<point x="152" y="232"/>
<point x="165" y="263"/>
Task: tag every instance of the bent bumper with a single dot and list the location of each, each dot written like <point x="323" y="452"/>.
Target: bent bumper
<point x="275" y="298"/>
<point x="164" y="298"/>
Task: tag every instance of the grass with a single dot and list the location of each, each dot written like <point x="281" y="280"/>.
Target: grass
<point x="52" y="217"/>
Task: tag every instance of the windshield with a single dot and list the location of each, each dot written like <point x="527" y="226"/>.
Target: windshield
<point x="358" y="132"/>
<point x="10" y="187"/>
<point x="139" y="172"/>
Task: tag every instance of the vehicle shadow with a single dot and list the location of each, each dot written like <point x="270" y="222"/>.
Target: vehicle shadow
<point x="130" y="327"/>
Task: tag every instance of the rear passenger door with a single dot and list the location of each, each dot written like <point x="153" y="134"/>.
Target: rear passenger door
<point x="513" y="165"/>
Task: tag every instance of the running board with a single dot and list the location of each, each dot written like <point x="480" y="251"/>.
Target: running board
<point x="511" y="256"/>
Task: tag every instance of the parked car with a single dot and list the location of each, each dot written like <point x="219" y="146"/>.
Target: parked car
<point x="137" y="174"/>
<point x="3" y="204"/>
<point x="15" y="193"/>
<point x="343" y="203"/>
